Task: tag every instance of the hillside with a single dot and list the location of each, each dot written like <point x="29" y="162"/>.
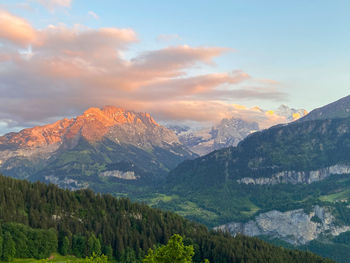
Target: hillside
<point x="126" y="228"/>
<point x="337" y="109"/>
<point x="284" y="153"/>
<point x="289" y="182"/>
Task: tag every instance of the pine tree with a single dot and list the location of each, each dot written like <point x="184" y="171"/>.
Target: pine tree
<point x="9" y="248"/>
<point x="65" y="246"/>
<point x="1" y="241"/>
<point x="1" y="244"/>
<point x="94" y="246"/>
<point x="108" y="251"/>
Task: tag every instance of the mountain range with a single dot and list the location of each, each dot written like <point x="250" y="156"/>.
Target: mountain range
<point x="114" y="146"/>
<point x="100" y="144"/>
<point x="288" y="184"/>
<point x="230" y="131"/>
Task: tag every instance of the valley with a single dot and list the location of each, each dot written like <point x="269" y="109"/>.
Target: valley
<point x="275" y="180"/>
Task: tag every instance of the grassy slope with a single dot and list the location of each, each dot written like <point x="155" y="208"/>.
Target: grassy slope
<point x="236" y="202"/>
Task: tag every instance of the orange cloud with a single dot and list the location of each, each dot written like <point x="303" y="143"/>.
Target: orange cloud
<point x="16" y="30"/>
<point x="79" y="67"/>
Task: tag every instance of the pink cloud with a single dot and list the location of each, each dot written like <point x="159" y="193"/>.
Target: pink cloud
<point x="78" y="67"/>
<point x="16" y="30"/>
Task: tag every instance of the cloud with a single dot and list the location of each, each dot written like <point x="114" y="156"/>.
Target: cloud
<point x="93" y="14"/>
<point x="53" y="4"/>
<point x="168" y="38"/>
<point x="16" y="30"/>
<point x="60" y="71"/>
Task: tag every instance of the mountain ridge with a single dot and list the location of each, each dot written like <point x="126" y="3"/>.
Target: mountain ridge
<point x="336" y="109"/>
<point x="86" y="146"/>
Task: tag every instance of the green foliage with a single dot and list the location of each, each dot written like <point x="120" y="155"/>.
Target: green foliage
<point x="29" y="242"/>
<point x="130" y="229"/>
<point x="94" y="259"/>
<point x="1" y="243"/>
<point x="94" y="246"/>
<point x="173" y="252"/>
<point x="79" y="246"/>
<point x="108" y="251"/>
<point x="9" y="249"/>
<point x="129" y="256"/>
<point x="64" y="248"/>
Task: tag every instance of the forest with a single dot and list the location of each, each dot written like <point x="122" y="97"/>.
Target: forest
<point x="39" y="219"/>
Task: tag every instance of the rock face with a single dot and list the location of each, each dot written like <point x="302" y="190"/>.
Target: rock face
<point x="295" y="226"/>
<point x="294" y="177"/>
<point x="230" y="131"/>
<point x="128" y="175"/>
<point x="98" y="142"/>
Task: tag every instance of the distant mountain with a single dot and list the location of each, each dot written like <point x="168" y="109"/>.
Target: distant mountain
<point x="289" y="113"/>
<point x="282" y="154"/>
<point x="289" y="183"/>
<point x="230" y="131"/>
<point x="99" y="145"/>
<point x="227" y="133"/>
<point x="337" y="109"/>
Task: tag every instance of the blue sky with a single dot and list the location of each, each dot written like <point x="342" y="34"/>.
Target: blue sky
<point x="302" y="45"/>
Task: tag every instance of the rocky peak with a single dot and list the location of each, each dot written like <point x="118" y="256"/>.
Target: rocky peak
<point x="93" y="125"/>
<point x="37" y="136"/>
<point x="289" y="113"/>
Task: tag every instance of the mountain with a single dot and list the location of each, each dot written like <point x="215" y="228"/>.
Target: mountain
<point x="230" y="131"/>
<point x="109" y="144"/>
<point x="41" y="219"/>
<point x="289" y="182"/>
<point x="337" y="109"/>
<point x="227" y="133"/>
<point x="289" y="113"/>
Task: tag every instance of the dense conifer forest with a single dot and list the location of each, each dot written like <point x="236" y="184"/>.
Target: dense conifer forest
<point x="38" y="219"/>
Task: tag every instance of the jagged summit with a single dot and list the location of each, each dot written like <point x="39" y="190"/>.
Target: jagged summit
<point x="101" y="142"/>
<point x="93" y="125"/>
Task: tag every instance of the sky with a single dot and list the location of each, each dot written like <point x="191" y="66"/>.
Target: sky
<point x="179" y="60"/>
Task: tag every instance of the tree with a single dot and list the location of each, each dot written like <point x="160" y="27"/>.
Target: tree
<point x="174" y="252"/>
<point x="94" y="246"/>
<point x="9" y="248"/>
<point x="78" y="246"/>
<point x="65" y="246"/>
<point x="1" y="242"/>
<point x="108" y="251"/>
<point x="94" y="259"/>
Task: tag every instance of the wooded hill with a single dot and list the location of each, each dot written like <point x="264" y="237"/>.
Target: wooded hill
<point x="81" y="222"/>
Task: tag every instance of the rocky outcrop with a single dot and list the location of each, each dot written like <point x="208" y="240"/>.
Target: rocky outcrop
<point x="128" y="175"/>
<point x="296" y="227"/>
<point x="295" y="177"/>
